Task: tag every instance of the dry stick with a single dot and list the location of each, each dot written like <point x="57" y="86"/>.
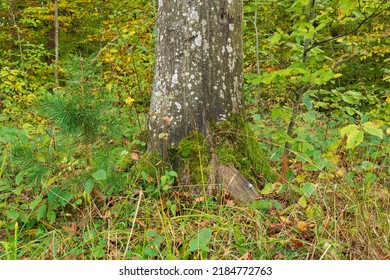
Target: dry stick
<point x="132" y="226"/>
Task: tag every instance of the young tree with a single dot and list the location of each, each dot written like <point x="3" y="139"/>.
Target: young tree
<point x="56" y="43"/>
<point x="197" y="94"/>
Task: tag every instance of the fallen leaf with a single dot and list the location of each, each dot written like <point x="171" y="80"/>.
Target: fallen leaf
<point x="140" y="223"/>
<point x="107" y="215"/>
<point x="230" y="203"/>
<point x="134" y="156"/>
<point x="201" y="198"/>
<point x="341" y="172"/>
<point x="302" y="226"/>
<point x="72" y="228"/>
<point x="297" y="243"/>
<point x="247" y="256"/>
<point x="278" y="256"/>
<point x="286" y="220"/>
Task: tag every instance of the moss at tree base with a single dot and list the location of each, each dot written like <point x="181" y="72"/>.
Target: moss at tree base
<point x="230" y="143"/>
<point x="236" y="145"/>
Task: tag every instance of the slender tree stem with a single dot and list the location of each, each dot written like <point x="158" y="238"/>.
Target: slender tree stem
<point x="56" y="43"/>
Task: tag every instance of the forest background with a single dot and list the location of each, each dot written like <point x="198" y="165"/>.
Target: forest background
<point x="76" y="181"/>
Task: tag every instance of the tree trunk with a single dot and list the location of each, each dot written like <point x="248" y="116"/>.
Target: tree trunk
<point x="198" y="74"/>
<point x="198" y="77"/>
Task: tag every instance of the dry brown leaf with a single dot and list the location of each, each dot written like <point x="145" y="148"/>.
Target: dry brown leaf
<point x="107" y="215"/>
<point x="341" y="172"/>
<point x="247" y="256"/>
<point x="134" y="156"/>
<point x="278" y="256"/>
<point x="297" y="243"/>
<point x="230" y="203"/>
<point x="72" y="228"/>
<point x="286" y="220"/>
<point x="201" y="198"/>
<point x="140" y="223"/>
<point x="302" y="226"/>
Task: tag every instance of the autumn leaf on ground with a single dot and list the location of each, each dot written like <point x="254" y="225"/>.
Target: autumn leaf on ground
<point x="302" y="226"/>
<point x="134" y="156"/>
<point x="247" y="256"/>
<point x="72" y="228"/>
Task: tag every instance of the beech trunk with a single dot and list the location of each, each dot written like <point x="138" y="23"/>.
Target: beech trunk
<point x="198" y="76"/>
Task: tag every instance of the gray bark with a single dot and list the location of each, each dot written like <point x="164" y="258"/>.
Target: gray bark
<point x="198" y="72"/>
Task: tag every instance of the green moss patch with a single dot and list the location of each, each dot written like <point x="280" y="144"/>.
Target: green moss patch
<point x="193" y="154"/>
<point x="234" y="144"/>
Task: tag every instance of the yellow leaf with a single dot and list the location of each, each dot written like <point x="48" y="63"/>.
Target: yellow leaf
<point x="51" y="181"/>
<point x="109" y="87"/>
<point x="341" y="172"/>
<point x="338" y="75"/>
<point x="301" y="178"/>
<point x="129" y="101"/>
<point x="388" y="131"/>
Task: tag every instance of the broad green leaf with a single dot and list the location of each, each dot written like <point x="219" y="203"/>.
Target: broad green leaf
<point x="370" y="178"/>
<point x="152" y="234"/>
<point x="302" y="202"/>
<point x="277" y="205"/>
<point x="268" y="189"/>
<point x="350" y="111"/>
<point x="373" y="129"/>
<point x="150" y="252"/>
<point x="262" y="205"/>
<point x="51" y="216"/>
<point x="354" y="138"/>
<point x="89" y="186"/>
<point x="275" y="38"/>
<point x="307" y="101"/>
<point x="348" y="129"/>
<point x="349" y="99"/>
<point x="65" y="198"/>
<point x="35" y="202"/>
<point x="100" y="175"/>
<point x="308" y="190"/>
<point x="13" y="215"/>
<point x="205" y="234"/>
<point x="172" y="173"/>
<point x="201" y="241"/>
<point x="19" y="178"/>
<point x="41" y="211"/>
<point x="53" y="193"/>
<point x="358" y="14"/>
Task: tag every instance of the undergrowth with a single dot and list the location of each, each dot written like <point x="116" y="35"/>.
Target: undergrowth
<point x="59" y="204"/>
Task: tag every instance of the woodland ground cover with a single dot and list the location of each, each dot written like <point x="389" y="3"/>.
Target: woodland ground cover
<point x="76" y="181"/>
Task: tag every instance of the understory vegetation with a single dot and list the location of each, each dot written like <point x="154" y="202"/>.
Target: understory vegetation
<point x="77" y="182"/>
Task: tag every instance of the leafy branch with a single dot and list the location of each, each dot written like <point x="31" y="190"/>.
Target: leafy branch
<point x="367" y="18"/>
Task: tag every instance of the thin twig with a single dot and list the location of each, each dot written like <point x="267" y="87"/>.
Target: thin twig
<point x="132" y="226"/>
